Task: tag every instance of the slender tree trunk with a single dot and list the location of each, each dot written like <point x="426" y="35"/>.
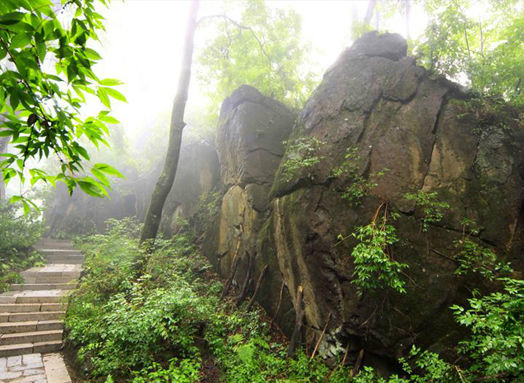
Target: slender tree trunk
<point x="369" y="11"/>
<point x="166" y="178"/>
<point x="408" y="19"/>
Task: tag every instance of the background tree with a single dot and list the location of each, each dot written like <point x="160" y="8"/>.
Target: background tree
<point x="46" y="70"/>
<point x="263" y="48"/>
<point x="484" y="51"/>
<point x="167" y="176"/>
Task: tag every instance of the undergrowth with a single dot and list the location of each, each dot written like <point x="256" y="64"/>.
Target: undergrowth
<point x="168" y="324"/>
<point x="18" y="234"/>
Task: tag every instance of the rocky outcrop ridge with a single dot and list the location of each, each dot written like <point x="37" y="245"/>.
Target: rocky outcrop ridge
<point x="423" y="134"/>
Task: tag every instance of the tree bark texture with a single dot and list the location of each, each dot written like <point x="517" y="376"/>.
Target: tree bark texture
<point x="167" y="176"/>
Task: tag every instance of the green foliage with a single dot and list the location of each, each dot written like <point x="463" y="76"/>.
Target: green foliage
<point x="419" y="367"/>
<point x="432" y="208"/>
<point x="472" y="257"/>
<point x="18" y="233"/>
<point x="302" y="154"/>
<point x="486" y="50"/>
<point x="209" y="206"/>
<point x="161" y="326"/>
<point x="475" y="258"/>
<point x="263" y="49"/>
<point x="496" y="344"/>
<point x="350" y="170"/>
<point x="44" y="79"/>
<point x="187" y="371"/>
<point x="375" y="267"/>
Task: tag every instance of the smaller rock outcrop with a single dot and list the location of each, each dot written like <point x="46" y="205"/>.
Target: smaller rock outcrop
<point x="251" y="134"/>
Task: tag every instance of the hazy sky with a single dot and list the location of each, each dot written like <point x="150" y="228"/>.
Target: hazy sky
<point x="143" y="43"/>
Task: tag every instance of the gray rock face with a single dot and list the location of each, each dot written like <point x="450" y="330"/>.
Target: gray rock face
<point x="429" y="136"/>
<point x="251" y="130"/>
<point x="251" y="134"/>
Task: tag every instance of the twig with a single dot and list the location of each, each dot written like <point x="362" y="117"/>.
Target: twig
<point x="357" y="364"/>
<point x="247" y="280"/>
<point x="320" y="338"/>
<point x="234" y="266"/>
<point x="444" y="255"/>
<point x="279" y="301"/>
<point x="257" y="287"/>
<point x="241" y="27"/>
<point x="345" y="356"/>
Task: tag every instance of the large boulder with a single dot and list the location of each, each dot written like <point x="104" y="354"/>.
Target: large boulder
<point x="424" y="135"/>
<point x="402" y="131"/>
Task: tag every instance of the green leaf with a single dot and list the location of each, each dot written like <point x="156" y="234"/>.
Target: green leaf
<point x="110" y="82"/>
<point x="92" y="55"/>
<point x="20" y="40"/>
<point x="14" y="199"/>
<point x="101" y="176"/>
<point x="41" y="50"/>
<point x="108" y="119"/>
<point x="92" y="188"/>
<point x="102" y="96"/>
<point x="27" y="209"/>
<point x="108" y="169"/>
<point x="11" y="18"/>
<point x="115" y="94"/>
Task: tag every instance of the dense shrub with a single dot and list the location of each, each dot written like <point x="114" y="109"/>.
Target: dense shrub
<point x="168" y="324"/>
<point x="18" y="233"/>
<point x="161" y="325"/>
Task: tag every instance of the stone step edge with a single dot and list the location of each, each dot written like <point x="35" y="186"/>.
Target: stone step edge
<point x="34" y="325"/>
<point x="40" y="286"/>
<point x="20" y="337"/>
<point x="41" y="307"/>
<point x="29" y="348"/>
<point x="58" y="250"/>
<point x="33" y="299"/>
<point x="28" y="314"/>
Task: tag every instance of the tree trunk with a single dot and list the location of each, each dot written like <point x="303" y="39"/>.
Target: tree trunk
<point x="369" y="11"/>
<point x="166" y="178"/>
<point x="408" y="19"/>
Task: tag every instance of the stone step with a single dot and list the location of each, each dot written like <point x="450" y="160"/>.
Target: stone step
<point x="43" y="286"/>
<point x="52" y="277"/>
<point x="48" y="243"/>
<point x="28" y="326"/>
<point x="30" y="337"/>
<point x="31" y="316"/>
<point x="63" y="255"/>
<point x="65" y="259"/>
<point x="40" y="296"/>
<point x="30" y="307"/>
<point x="48" y="251"/>
<point x="54" y="273"/>
<point x="16" y="349"/>
<point x="28" y="348"/>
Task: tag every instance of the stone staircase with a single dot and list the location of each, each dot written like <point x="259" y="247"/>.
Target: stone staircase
<point x="31" y="314"/>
